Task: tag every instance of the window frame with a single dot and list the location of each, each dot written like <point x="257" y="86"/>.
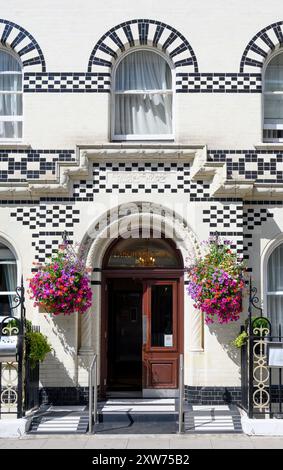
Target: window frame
<point x="271" y="93"/>
<point x="141" y="137"/>
<point x="17" y="118"/>
<point x="15" y="312"/>
<point x="265" y="257"/>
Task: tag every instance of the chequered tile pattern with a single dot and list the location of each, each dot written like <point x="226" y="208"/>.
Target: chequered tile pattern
<point x="235" y="238"/>
<point x="140" y="177"/>
<point x="46" y="244"/>
<point x="79" y="82"/>
<point x="263" y="166"/>
<point x="142" y="32"/>
<point x="49" y="216"/>
<point x="255" y="214"/>
<point x="224" y="216"/>
<point x="24" y="44"/>
<point x="75" y="82"/>
<point x="227" y="220"/>
<point x="218" y="83"/>
<point x="22" y="165"/>
<point x="259" y="47"/>
<point x="135" y="177"/>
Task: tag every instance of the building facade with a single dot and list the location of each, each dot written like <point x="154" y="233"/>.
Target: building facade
<point x="141" y="130"/>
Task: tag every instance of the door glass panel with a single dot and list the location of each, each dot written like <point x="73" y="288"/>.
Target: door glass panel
<point x="162" y="315"/>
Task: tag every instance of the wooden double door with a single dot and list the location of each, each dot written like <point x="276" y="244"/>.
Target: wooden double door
<point x="142" y="333"/>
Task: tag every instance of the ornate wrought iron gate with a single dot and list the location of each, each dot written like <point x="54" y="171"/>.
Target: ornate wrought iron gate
<point x="261" y="384"/>
<point x="19" y="383"/>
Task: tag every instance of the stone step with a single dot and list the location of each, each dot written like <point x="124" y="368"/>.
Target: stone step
<point x="212" y="419"/>
<point x="137" y="410"/>
<point x="60" y="420"/>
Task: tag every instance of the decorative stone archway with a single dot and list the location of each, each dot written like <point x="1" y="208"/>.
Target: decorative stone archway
<point x="101" y="233"/>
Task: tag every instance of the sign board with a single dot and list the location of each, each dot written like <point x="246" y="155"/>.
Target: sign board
<point x="8" y="348"/>
<point x="168" y="340"/>
<point x="275" y="354"/>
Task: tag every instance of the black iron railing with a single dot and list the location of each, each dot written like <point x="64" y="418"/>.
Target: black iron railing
<point x="261" y="381"/>
<point x="19" y="380"/>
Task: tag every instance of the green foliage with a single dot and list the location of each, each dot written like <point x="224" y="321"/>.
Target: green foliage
<point x="257" y="322"/>
<point x="240" y="340"/>
<point x="260" y="322"/>
<point x="37" y="346"/>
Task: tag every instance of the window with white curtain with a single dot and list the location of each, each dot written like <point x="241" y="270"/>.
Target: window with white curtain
<point x="273" y="100"/>
<point x="11" y="97"/>
<point x="275" y="289"/>
<point x="142" y="97"/>
<point x="8" y="280"/>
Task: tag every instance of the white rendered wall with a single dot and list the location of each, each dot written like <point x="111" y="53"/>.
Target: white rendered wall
<point x="67" y="31"/>
<point x="218" y="31"/>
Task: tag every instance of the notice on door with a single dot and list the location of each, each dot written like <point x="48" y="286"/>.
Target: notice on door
<point x="168" y="341"/>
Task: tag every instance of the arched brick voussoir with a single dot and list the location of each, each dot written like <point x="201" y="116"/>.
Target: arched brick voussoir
<point x="23" y="44"/>
<point x="142" y="32"/>
<point x="260" y="46"/>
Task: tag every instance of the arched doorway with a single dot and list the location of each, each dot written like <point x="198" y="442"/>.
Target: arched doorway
<point x="142" y="316"/>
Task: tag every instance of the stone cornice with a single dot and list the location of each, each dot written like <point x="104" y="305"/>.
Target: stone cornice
<point x="201" y="169"/>
<point x="66" y="172"/>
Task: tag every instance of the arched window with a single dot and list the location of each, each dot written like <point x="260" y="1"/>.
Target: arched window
<point x="142" y="97"/>
<point x="143" y="253"/>
<point x="8" y="280"/>
<point x="273" y="100"/>
<point x="11" y="97"/>
<point x="275" y="289"/>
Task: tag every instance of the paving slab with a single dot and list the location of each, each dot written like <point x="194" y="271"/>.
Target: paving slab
<point x="107" y="443"/>
<point x="190" y="444"/>
<point x="149" y="443"/>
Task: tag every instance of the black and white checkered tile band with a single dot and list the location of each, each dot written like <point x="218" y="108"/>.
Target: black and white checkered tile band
<point x="75" y="82"/>
<point x="46" y="244"/>
<point x="47" y="217"/>
<point x="227" y="220"/>
<point x="21" y="165"/>
<point x="79" y="82"/>
<point x="224" y="216"/>
<point x="24" y="45"/>
<point x="218" y="83"/>
<point x="265" y="166"/>
<point x="138" y="177"/>
<point x="254" y="216"/>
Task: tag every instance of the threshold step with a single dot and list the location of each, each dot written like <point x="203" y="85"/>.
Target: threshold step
<point x="60" y="420"/>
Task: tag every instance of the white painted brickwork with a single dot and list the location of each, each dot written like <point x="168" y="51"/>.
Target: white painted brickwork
<point x="64" y="175"/>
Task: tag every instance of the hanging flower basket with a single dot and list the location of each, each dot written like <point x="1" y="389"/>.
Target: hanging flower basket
<point x="216" y="282"/>
<point x="62" y="285"/>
